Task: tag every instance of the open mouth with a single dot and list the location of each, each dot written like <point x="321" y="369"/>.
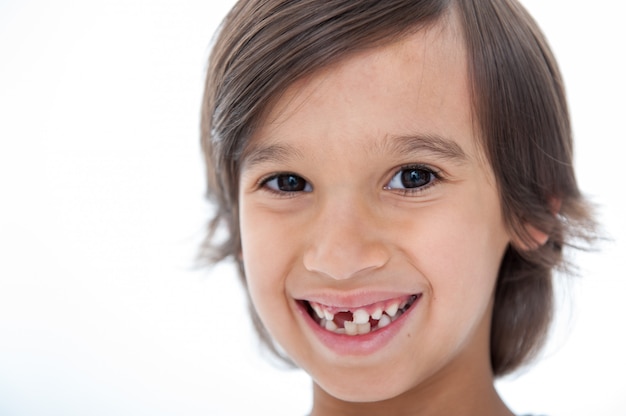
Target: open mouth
<point x="362" y="320"/>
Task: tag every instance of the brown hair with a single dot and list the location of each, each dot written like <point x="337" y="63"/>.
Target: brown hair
<point x="519" y="105"/>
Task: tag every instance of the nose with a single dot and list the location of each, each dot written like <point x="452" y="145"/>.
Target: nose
<point x="345" y="241"/>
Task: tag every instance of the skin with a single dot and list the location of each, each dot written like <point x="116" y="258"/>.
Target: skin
<point x="348" y="229"/>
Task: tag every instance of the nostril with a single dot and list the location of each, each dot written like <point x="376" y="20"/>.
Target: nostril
<point x="340" y="263"/>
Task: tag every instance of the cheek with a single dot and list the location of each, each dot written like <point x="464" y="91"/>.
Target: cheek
<point x="258" y="253"/>
<point x="459" y="249"/>
<point x="266" y="263"/>
<point x="458" y="254"/>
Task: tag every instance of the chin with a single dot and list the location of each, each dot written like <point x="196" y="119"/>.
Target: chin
<point x="362" y="389"/>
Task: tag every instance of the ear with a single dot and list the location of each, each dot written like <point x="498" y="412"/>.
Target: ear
<point x="539" y="237"/>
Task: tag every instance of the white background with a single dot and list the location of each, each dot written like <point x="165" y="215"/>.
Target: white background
<point x="101" y="210"/>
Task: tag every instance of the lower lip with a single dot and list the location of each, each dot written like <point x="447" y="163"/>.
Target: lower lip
<point x="357" y="345"/>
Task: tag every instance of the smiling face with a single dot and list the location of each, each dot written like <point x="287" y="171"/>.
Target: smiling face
<point x="370" y="222"/>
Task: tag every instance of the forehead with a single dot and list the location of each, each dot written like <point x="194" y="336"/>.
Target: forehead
<point x="414" y="86"/>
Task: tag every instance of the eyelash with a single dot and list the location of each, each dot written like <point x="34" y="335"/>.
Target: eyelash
<point x="263" y="184"/>
<point x="434" y="178"/>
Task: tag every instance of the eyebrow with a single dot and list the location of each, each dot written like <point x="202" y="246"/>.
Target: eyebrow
<point x="435" y="145"/>
<point x="277" y="152"/>
<point x="438" y="146"/>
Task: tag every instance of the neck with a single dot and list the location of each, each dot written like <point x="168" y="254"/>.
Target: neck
<point x="426" y="402"/>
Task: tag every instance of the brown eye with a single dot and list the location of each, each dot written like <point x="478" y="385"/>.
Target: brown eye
<point x="287" y="182"/>
<point x="412" y="178"/>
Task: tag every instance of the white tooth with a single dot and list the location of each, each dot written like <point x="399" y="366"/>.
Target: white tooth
<point x="363" y="328"/>
<point x="378" y="312"/>
<point x="329" y="316"/>
<point x="318" y="310"/>
<point x="392" y="309"/>
<point x="351" y="328"/>
<point x="330" y="326"/>
<point x="360" y="316"/>
<point x="340" y="331"/>
<point x="384" y="321"/>
<point x="323" y="323"/>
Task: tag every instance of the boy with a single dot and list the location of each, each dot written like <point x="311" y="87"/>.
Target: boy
<point x="397" y="185"/>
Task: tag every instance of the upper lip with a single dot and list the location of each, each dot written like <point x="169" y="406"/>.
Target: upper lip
<point x="356" y="299"/>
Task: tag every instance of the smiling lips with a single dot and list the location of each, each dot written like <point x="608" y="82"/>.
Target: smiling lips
<point x="361" y="321"/>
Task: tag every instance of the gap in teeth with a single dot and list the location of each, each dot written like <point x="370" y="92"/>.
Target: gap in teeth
<point x="359" y="321"/>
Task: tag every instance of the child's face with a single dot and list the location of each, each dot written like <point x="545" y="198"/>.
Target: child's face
<point x="366" y="190"/>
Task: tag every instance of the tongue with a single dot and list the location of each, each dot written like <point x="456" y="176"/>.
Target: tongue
<point x="341" y="317"/>
<point x="346" y="316"/>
